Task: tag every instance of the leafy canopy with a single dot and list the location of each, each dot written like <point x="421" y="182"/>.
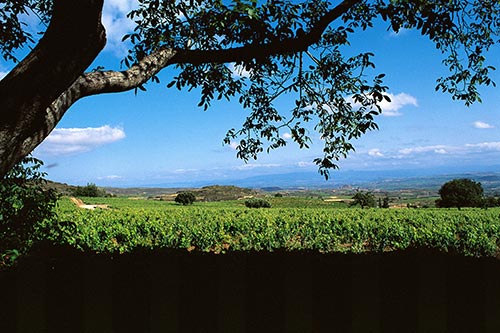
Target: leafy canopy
<point x="24" y="205"/>
<point x="364" y="199"/>
<point x="185" y="198"/>
<point x="297" y="49"/>
<point x="461" y="193"/>
<point x="89" y="190"/>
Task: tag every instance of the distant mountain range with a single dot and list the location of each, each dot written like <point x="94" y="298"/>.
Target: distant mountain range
<point x="391" y="180"/>
<point x="372" y="181"/>
<point x="418" y="182"/>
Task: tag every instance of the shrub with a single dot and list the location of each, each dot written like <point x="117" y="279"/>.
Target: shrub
<point x="185" y="198"/>
<point x="90" y="190"/>
<point x="460" y="193"/>
<point x="24" y="204"/>
<point x="257" y="203"/>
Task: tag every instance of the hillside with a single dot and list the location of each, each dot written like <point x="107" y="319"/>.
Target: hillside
<point x="213" y="193"/>
<point x="220" y="193"/>
<point x="62" y="188"/>
<point x="206" y="193"/>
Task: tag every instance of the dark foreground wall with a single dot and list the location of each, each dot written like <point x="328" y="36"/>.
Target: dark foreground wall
<point x="65" y="291"/>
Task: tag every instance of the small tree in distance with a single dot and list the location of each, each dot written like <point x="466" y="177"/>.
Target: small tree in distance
<point x="460" y="193"/>
<point x="385" y="202"/>
<point x="364" y="199"/>
<point x="185" y="198"/>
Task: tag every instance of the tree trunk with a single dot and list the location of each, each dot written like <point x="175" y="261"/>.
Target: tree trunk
<point x="72" y="41"/>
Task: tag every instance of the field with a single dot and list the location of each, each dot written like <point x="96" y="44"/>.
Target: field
<point x="293" y="224"/>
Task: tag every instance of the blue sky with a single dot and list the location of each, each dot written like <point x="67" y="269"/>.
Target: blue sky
<point x="161" y="136"/>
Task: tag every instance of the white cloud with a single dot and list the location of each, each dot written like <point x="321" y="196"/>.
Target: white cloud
<point x="438" y="149"/>
<point x="256" y="166"/>
<point x="63" y="141"/>
<point x="286" y="136"/>
<point x="234" y="145"/>
<point x="482" y="125"/>
<point x="238" y="71"/>
<point x="4" y="71"/>
<point x="397" y="102"/>
<point x="110" y="177"/>
<point x="484" y="146"/>
<point x="375" y="152"/>
<point x="458" y="150"/>
<point x="391" y="109"/>
<point x="114" y="18"/>
<point x="460" y="154"/>
<point x="123" y="6"/>
<point x="184" y="171"/>
<point x="401" y="32"/>
<point x="303" y="164"/>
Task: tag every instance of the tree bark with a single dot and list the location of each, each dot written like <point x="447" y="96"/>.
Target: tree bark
<point x="35" y="95"/>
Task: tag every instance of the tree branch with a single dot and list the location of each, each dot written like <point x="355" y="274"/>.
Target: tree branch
<point x="138" y="74"/>
<point x="93" y="83"/>
<point x="99" y="82"/>
<point x="248" y="52"/>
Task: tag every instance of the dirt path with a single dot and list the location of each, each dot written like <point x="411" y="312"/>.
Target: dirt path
<point x="81" y="204"/>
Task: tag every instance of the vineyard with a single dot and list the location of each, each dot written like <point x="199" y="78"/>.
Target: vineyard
<point x="216" y="227"/>
<point x="304" y="265"/>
